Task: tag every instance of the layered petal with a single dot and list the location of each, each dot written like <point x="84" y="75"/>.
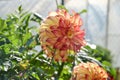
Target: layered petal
<point x="89" y="71"/>
<point x="61" y="31"/>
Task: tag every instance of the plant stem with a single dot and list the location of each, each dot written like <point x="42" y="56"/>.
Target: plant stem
<point x="36" y="56"/>
<point x="56" y="3"/>
<point x="60" y="70"/>
<point x="62" y="3"/>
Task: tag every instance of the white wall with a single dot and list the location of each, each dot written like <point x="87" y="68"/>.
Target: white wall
<point x="114" y="31"/>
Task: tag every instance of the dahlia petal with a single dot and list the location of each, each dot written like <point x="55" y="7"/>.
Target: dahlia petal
<point x="76" y="19"/>
<point x="61" y="31"/>
<point x="51" y="20"/>
<point x="57" y="33"/>
<point x="51" y="41"/>
<point x="58" y="45"/>
<point x="89" y="71"/>
<point x="57" y="56"/>
<point x="52" y="14"/>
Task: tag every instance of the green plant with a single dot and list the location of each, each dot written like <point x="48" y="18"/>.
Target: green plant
<point x="20" y="60"/>
<point x="17" y="44"/>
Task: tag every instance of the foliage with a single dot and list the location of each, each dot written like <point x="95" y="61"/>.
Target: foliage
<point x="17" y="46"/>
<point x="20" y="60"/>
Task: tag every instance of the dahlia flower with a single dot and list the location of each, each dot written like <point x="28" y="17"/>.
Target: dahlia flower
<point x="89" y="71"/>
<point x="60" y="33"/>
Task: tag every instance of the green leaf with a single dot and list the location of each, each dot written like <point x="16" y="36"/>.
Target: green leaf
<point x="106" y="63"/>
<point x="35" y="75"/>
<point x="62" y="7"/>
<point x="20" y="9"/>
<point x="83" y="11"/>
<point x="99" y="58"/>
<point x="26" y="37"/>
<point x="3" y="25"/>
<point x="113" y="72"/>
<point x="14" y="40"/>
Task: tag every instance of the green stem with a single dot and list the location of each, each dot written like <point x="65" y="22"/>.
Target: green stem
<point x="60" y="70"/>
<point x="36" y="56"/>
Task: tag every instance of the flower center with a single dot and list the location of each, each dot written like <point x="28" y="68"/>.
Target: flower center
<point x="70" y="34"/>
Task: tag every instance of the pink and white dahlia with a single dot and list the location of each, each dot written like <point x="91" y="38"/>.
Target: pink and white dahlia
<point x="89" y="71"/>
<point x="60" y="33"/>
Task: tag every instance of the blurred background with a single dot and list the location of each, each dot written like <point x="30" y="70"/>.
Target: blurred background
<point x="101" y="22"/>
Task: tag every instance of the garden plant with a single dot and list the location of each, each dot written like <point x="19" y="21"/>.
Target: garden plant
<point x="54" y="48"/>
